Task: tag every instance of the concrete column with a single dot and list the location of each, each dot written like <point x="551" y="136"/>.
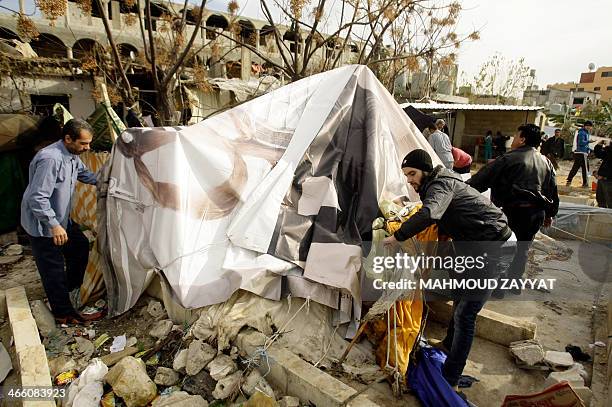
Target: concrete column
<point x="116" y="14"/>
<point x="257" y="40"/>
<point x="69" y="53"/>
<point x="22" y="6"/>
<point x="245" y="63"/>
<point x="67" y="15"/>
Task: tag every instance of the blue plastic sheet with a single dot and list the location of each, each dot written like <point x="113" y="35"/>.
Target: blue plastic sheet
<point x="426" y="380"/>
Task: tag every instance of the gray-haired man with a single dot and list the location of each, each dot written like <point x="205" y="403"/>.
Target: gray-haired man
<point x="441" y="144"/>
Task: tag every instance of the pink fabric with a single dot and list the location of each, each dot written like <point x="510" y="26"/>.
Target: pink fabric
<point x="462" y="159"/>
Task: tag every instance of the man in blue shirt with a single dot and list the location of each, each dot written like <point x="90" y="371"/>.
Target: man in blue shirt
<point x="581" y="154"/>
<point x="45" y="216"/>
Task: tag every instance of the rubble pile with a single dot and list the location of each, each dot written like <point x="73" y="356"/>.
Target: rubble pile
<point x="180" y="368"/>
<point x="530" y="354"/>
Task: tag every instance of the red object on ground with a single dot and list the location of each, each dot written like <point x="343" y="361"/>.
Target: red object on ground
<point x="558" y="395"/>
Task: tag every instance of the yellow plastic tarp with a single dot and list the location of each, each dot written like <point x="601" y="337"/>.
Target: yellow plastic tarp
<point x="398" y="330"/>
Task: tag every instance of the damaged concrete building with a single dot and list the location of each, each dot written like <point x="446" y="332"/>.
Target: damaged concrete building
<point x="57" y="76"/>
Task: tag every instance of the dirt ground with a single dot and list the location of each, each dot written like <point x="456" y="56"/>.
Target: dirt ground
<point x="564" y="316"/>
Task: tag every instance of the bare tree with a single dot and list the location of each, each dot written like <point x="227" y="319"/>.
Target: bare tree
<point x="501" y="78"/>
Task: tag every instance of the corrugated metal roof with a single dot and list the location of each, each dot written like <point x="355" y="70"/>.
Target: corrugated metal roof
<point x="460" y="106"/>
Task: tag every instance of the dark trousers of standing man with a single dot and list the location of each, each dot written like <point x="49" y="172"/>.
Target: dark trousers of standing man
<point x="58" y="280"/>
<point x="580" y="161"/>
<point x="468" y="303"/>
<point x="525" y="222"/>
<point x="604" y="193"/>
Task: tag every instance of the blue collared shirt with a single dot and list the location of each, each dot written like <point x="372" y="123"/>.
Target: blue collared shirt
<point x="47" y="200"/>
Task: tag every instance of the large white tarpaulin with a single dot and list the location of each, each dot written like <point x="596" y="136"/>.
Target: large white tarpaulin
<point x="274" y="196"/>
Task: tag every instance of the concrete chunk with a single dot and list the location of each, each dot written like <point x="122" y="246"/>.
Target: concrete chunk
<point x="558" y="359"/>
<point x="165" y="376"/>
<point x="292" y="375"/>
<point x="490" y="325"/>
<point x="130" y="381"/>
<point x="161" y="329"/>
<point x="200" y="354"/>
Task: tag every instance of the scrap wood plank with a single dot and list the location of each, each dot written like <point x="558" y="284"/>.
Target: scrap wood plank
<point x="17" y="304"/>
<point x="31" y="355"/>
<point x="490" y="325"/>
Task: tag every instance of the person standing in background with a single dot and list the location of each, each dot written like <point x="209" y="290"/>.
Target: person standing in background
<point x="554" y="148"/>
<point x="604" y="176"/>
<point x="500" y="144"/>
<point x="488" y="146"/>
<point x="581" y="153"/>
<point x="441" y="144"/>
<point x="463" y="161"/>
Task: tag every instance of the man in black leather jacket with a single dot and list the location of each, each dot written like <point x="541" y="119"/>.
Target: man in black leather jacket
<point x="523" y="183"/>
<point x="476" y="227"/>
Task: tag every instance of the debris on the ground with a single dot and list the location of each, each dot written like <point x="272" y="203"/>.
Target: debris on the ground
<point x="119" y="343"/>
<point x="91" y="333"/>
<point x="577" y="353"/>
<point x="260" y="399"/>
<point x="100" y="304"/>
<point x="108" y="400"/>
<point x="180" y="399"/>
<point x="528" y="353"/>
<point x="180" y="361"/>
<point x="466" y="381"/>
<point x="221" y="366"/>
<point x="8" y="260"/>
<point x="5" y="363"/>
<point x="130" y="381"/>
<point x="13" y="250"/>
<point x="256" y="382"/>
<point x="557" y="359"/>
<point x="113" y="358"/>
<point x="560" y="394"/>
<point x="161" y="329"/>
<point x="201" y="384"/>
<point x="156" y="310"/>
<point x="227" y="386"/>
<point x="66" y="377"/>
<point x="101" y="340"/>
<point x="61" y="364"/>
<point x="598" y="344"/>
<point x="131" y="341"/>
<point x="200" y="354"/>
<point x="289" y="401"/>
<point x="83" y="347"/>
<point x="165" y="376"/>
<point x="574" y="376"/>
<point x="43" y="317"/>
<point x="153" y="360"/>
<point x="87" y="389"/>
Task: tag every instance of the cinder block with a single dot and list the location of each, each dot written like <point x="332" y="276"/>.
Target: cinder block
<point x="294" y="376"/>
<point x="17" y="304"/>
<point x="490" y="325"/>
<point x="25" y="334"/>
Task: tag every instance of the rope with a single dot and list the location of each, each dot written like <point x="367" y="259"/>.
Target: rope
<point x="262" y="352"/>
<point x="331" y="340"/>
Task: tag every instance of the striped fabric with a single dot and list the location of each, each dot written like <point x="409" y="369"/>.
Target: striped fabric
<point x="84" y="213"/>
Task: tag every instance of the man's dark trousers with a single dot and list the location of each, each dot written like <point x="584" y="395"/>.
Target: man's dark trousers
<point x="468" y="303"/>
<point x="50" y="260"/>
<point x="525" y="222"/>
<point x="580" y="161"/>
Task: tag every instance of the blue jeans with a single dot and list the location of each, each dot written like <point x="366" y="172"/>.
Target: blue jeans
<point x="50" y="260"/>
<point x="467" y="305"/>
